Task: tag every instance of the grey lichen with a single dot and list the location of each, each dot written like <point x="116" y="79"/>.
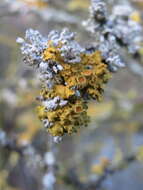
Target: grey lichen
<point x="114" y="31"/>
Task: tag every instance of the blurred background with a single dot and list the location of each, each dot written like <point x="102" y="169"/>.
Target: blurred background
<point x="114" y="136"/>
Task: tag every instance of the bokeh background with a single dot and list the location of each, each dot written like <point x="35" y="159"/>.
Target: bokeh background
<point x="116" y="129"/>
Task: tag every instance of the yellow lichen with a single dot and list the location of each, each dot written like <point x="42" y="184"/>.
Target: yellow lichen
<point x="135" y="16"/>
<point x="74" y="5"/>
<point x="65" y="119"/>
<point x="101" y="166"/>
<point x="35" y="3"/>
<point x="87" y="77"/>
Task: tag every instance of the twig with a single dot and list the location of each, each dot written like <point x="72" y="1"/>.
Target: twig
<point x="71" y="178"/>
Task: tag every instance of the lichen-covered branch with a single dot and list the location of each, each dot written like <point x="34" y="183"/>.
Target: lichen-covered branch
<point x="115" y="32"/>
<point x="71" y="178"/>
<point x="70" y="75"/>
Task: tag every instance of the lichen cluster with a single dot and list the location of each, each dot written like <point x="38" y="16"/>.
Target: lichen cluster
<point x="115" y="31"/>
<point x="71" y="76"/>
<point x="75" y="84"/>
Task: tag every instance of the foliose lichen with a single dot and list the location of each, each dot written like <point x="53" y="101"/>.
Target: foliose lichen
<point x="70" y="75"/>
<point x="114" y="31"/>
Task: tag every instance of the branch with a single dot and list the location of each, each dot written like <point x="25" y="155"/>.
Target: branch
<point x="71" y="178"/>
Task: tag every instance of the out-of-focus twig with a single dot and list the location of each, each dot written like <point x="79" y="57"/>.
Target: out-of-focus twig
<point x="71" y="178"/>
<point x="10" y="144"/>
